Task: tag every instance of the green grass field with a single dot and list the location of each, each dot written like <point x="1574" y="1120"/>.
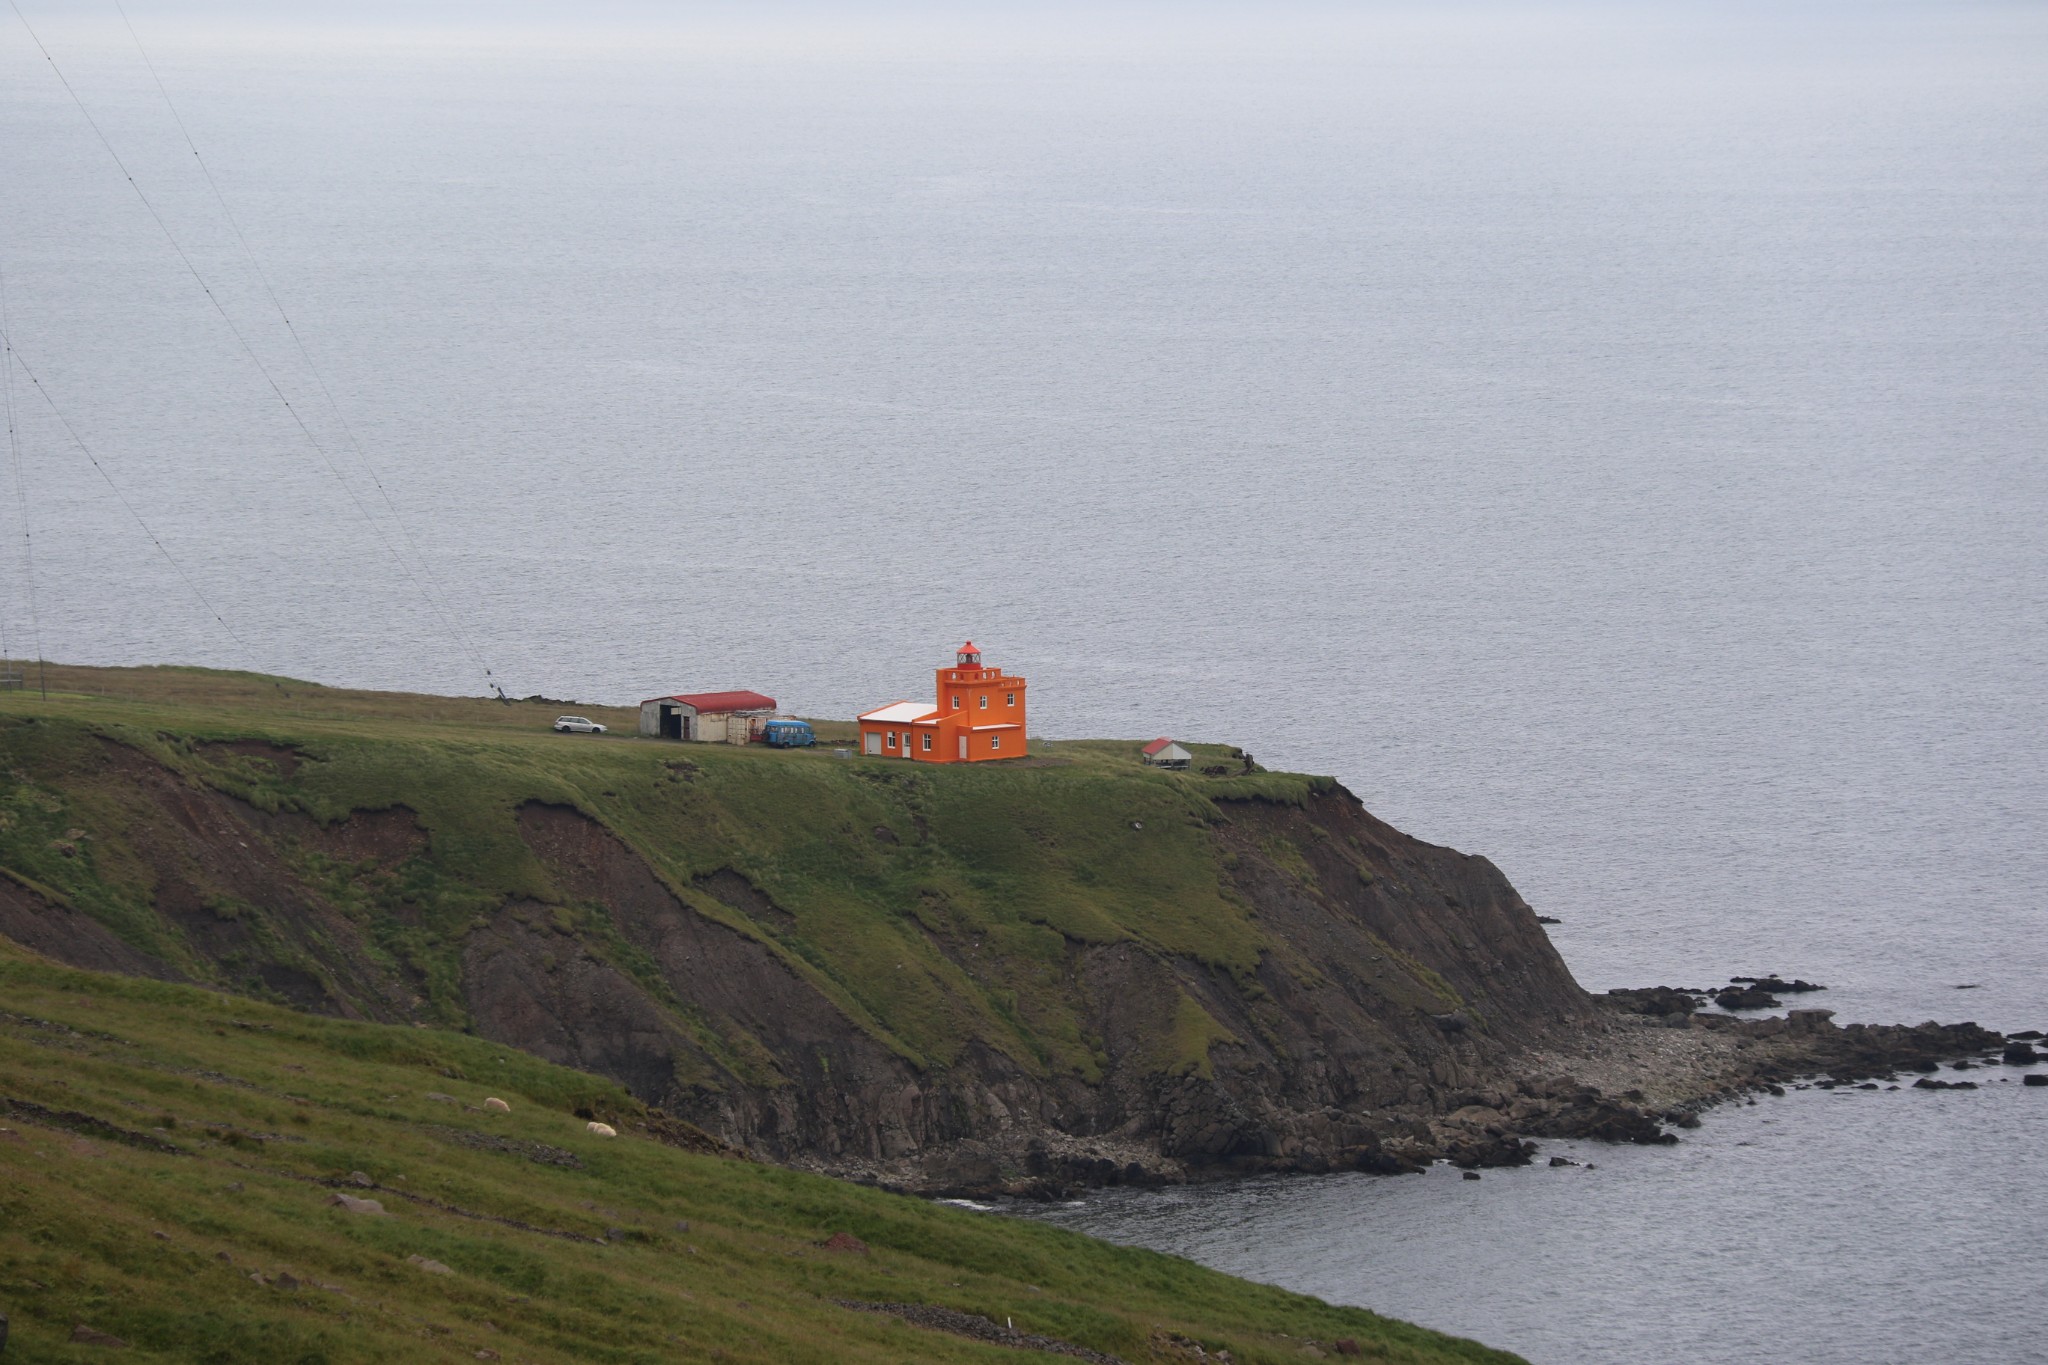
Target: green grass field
<point x="167" y="1157"/>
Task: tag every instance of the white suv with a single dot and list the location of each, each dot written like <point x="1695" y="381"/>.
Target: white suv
<point x="576" y="725"/>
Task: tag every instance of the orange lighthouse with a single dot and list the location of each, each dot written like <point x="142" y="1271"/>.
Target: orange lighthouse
<point x="979" y="716"/>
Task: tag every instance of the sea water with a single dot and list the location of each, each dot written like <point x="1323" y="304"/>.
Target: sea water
<point x="1608" y="438"/>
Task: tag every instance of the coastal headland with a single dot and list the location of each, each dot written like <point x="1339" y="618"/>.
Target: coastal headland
<point x="1017" y="978"/>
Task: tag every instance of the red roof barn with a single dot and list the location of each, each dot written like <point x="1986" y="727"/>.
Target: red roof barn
<point x="713" y="717"/>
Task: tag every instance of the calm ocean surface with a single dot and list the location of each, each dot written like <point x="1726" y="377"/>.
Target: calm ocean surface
<point x="1610" y="439"/>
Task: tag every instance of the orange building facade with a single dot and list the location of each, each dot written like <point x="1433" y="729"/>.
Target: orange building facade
<point x="979" y="717"/>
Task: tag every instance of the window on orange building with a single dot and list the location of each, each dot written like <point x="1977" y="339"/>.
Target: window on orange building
<point x="1012" y="700"/>
<point x="984" y="701"/>
<point x="927" y="741"/>
<point x="956" y="703"/>
<point x="890" y="739"/>
<point x="995" y="741"/>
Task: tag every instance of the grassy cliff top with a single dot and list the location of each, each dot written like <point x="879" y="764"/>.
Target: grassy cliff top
<point x="168" y="1158"/>
<point x="877" y="871"/>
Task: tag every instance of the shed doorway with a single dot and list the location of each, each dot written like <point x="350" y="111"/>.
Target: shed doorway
<point x="671" y="722"/>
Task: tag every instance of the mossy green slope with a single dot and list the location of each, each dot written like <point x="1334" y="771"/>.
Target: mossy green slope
<point x="934" y="905"/>
<point x="162" y="1147"/>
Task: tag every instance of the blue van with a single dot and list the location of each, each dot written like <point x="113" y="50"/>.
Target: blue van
<point x="788" y="734"/>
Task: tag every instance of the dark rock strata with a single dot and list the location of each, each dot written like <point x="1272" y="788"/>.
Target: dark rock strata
<point x="1403" y="1006"/>
<point x="1321" y="1069"/>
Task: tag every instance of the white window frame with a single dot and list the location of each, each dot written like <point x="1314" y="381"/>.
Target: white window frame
<point x="927" y="741"/>
<point x="984" y="701"/>
<point x="888" y="739"/>
<point x="1012" y="700"/>
<point x="995" y="742"/>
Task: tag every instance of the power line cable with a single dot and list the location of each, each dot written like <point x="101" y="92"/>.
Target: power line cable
<point x="235" y="331"/>
<point x="14" y="352"/>
<point x="319" y="377"/>
<point x="14" y="457"/>
<point x="28" y="542"/>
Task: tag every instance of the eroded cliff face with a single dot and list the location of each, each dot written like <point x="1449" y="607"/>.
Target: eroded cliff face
<point x="1401" y="973"/>
<point x="1387" y="979"/>
<point x="194" y="884"/>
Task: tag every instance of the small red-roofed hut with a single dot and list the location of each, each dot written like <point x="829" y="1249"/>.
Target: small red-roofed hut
<point x="1164" y="753"/>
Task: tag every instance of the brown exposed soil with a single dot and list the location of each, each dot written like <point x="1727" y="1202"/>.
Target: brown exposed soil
<point x="384" y="838"/>
<point x="771" y="1063"/>
<point x="71" y="936"/>
<point x="220" y="873"/>
<point x="742" y="895"/>
<point x="280" y="757"/>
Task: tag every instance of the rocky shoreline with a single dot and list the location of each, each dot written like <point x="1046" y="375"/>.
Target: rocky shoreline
<point x="1651" y="1063"/>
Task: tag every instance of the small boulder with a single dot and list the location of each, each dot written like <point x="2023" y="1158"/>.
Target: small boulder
<point x="1471" y="1175"/>
<point x="2020" y="1054"/>
<point x="846" y="1242"/>
<point x="81" y="1335"/>
<point x="497" y="1106"/>
<point x="355" y="1205"/>
<point x="1655" y="1001"/>
<point x="1750" y="998"/>
<point x="361" y="1179"/>
<point x="597" y="1129"/>
<point x="439" y="1098"/>
<point x="2035" y="1078"/>
<point x="431" y="1267"/>
<point x="1776" y="983"/>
